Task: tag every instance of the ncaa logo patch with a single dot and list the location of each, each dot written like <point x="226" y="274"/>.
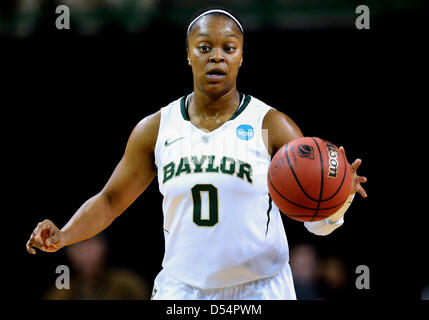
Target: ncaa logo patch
<point x="245" y="132"/>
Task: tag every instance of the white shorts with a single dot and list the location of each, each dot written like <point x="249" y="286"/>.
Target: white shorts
<point x="277" y="287"/>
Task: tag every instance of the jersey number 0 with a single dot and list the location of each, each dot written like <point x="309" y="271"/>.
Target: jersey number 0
<point x="213" y="205"/>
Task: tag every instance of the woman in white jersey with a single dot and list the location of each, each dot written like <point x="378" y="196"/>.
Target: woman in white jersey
<point x="210" y="150"/>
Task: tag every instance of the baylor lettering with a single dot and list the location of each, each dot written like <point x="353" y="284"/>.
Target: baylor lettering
<point x="227" y="168"/>
<point x="245" y="170"/>
<point x="211" y="167"/>
<point x="168" y="171"/>
<point x="208" y="164"/>
<point x="183" y="166"/>
<point x="198" y="163"/>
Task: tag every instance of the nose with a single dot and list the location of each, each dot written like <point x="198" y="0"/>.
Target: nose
<point x="216" y="56"/>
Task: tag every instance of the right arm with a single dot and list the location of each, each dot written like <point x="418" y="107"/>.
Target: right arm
<point x="130" y="178"/>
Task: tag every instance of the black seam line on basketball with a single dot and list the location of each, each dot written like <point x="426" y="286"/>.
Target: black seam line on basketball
<point x="298" y="205"/>
<point x="270" y="206"/>
<point x="301" y="187"/>
<point x="294" y="174"/>
<point x="321" y="179"/>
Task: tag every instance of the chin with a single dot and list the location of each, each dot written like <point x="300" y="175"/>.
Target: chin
<point x="216" y="90"/>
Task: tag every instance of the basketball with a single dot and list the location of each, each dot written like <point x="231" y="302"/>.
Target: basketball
<point x="309" y="179"/>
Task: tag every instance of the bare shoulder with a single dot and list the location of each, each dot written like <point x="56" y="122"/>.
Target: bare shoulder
<point x="149" y="123"/>
<point x="275" y="119"/>
<point x="281" y="130"/>
<point x="145" y="132"/>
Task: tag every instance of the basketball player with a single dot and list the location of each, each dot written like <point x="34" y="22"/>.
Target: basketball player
<point x="210" y="151"/>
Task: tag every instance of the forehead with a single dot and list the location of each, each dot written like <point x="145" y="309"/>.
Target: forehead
<point x="214" y="25"/>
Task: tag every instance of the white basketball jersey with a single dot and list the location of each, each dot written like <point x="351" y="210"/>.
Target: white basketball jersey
<point x="221" y="227"/>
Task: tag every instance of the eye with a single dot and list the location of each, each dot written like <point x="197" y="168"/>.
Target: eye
<point x="229" y="49"/>
<point x="204" y="48"/>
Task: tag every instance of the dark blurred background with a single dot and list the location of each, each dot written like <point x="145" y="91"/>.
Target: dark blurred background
<point x="70" y="99"/>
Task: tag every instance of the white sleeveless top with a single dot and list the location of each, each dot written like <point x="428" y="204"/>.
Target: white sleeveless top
<point x="221" y="227"/>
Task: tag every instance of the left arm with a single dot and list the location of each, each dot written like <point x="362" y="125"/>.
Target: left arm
<point x="282" y="130"/>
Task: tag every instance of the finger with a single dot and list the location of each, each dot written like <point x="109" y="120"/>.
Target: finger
<point x="29" y="248"/>
<point x="37" y="240"/>
<point x="343" y="152"/>
<point x="362" y="191"/>
<point x="51" y="230"/>
<point x="362" y="179"/>
<point x="51" y="241"/>
<point x="355" y="165"/>
<point x="40" y="234"/>
<point x="40" y="245"/>
<point x="42" y="231"/>
<point x="47" y="235"/>
<point x="52" y="248"/>
<point x="37" y="231"/>
<point x="33" y="243"/>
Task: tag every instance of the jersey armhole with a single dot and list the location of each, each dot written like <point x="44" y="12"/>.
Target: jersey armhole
<point x="158" y="138"/>
<point x="264" y="133"/>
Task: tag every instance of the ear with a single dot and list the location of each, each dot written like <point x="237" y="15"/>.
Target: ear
<point x="241" y="61"/>
<point x="189" y="59"/>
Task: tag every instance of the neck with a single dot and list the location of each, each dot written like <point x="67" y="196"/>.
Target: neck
<point x="207" y="107"/>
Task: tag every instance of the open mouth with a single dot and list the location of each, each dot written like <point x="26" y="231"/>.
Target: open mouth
<point x="215" y="75"/>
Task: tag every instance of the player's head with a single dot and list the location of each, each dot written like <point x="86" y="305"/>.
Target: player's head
<point x="214" y="43"/>
<point x="220" y="12"/>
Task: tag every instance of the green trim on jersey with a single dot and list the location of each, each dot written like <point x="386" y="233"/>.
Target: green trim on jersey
<point x="245" y="103"/>
<point x="184" y="109"/>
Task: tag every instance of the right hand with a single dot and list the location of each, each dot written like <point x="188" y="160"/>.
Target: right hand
<point x="46" y="237"/>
